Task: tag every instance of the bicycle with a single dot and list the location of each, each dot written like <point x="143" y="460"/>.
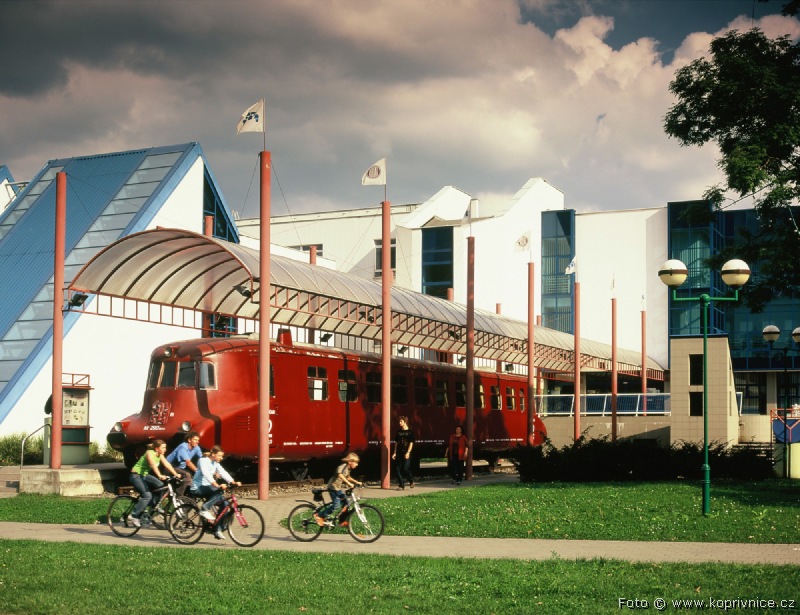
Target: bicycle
<point x="243" y="522"/>
<point x="158" y="514"/>
<point x="364" y="522"/>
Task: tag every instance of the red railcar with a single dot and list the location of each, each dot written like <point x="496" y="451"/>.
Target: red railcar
<point x="324" y="402"/>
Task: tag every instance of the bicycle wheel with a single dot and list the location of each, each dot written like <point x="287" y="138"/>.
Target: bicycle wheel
<point x="301" y="523"/>
<point x="186" y="524"/>
<point x="365" y="525"/>
<point x="246" y="528"/>
<point x="159" y="516"/>
<point x="119" y="512"/>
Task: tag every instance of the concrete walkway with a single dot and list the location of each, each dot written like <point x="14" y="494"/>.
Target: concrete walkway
<point x="278" y="538"/>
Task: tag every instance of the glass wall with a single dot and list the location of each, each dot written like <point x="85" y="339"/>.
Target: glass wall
<point x="558" y="250"/>
<point x="437" y="261"/>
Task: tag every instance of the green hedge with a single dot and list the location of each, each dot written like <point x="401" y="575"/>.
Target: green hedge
<point x="11" y="447"/>
<point x="627" y="459"/>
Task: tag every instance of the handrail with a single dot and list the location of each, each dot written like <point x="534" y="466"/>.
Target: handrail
<point x="22" y="452"/>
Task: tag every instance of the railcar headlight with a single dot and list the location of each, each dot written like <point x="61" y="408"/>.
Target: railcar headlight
<point x="117" y="427"/>
<point x="186" y="426"/>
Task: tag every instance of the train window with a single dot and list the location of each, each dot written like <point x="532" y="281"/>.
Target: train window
<point x="373" y="387"/>
<point x="155" y="372"/>
<point x="399" y="390"/>
<point x="348" y="387"/>
<point x="168" y="375"/>
<point x="422" y="396"/>
<point x="479" y="399"/>
<point x="511" y="402"/>
<point x="494" y="397"/>
<point x="441" y="393"/>
<point x="186" y="374"/>
<point x="208" y="378"/>
<point x="317" y="383"/>
<point x="522" y="400"/>
<point x="461" y="394"/>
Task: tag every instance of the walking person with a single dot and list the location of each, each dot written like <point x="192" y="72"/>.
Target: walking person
<point x="456" y="454"/>
<point x="184" y="458"/>
<point x="403" y="445"/>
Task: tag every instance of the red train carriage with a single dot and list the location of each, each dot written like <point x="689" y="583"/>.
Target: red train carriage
<point x="324" y="402"/>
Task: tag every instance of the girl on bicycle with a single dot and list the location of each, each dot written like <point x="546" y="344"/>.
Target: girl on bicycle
<point x="146" y="475"/>
<point x="335" y="487"/>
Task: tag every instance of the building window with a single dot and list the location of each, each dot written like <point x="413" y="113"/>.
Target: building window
<point x="317" y="383"/>
<point x="437" y="261"/>
<point x="306" y="247"/>
<point x="348" y="387"/>
<point x="399" y="390"/>
<point x="558" y="249"/>
<point x="379" y="256"/>
<point x="696" y="403"/>
<point x="461" y="394"/>
<point x="373" y="387"/>
<point x="441" y="393"/>
<point x="421" y="392"/>
<point x="495" y="397"/>
<point x="696" y="369"/>
<point x="511" y="403"/>
<point x="479" y="399"/>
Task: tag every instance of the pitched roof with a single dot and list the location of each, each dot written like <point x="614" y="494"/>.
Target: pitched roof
<point x="108" y="196"/>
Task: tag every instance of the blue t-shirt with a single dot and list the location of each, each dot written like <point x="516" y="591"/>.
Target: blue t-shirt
<point x="182" y="454"/>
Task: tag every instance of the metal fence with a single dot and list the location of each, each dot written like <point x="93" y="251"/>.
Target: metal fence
<point x="629" y="404"/>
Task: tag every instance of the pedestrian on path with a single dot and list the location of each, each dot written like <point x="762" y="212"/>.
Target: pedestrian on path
<point x="403" y="445"/>
<point x="456" y="453"/>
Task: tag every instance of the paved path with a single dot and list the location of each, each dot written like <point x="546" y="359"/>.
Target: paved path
<point x="278" y="538"/>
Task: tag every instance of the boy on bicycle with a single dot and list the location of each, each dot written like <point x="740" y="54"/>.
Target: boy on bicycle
<point x="205" y="484"/>
<point x="335" y="488"/>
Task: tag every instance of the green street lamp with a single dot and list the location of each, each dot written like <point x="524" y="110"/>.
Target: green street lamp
<point x="771" y="333"/>
<point x="735" y="274"/>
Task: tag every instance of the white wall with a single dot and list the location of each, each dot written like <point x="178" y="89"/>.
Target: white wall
<point x="114" y="352"/>
<point x="624" y="249"/>
<point x="347" y="237"/>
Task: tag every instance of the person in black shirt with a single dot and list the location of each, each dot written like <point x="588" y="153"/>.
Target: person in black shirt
<point x="403" y="445"/>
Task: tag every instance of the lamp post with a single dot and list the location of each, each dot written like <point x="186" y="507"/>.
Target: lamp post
<point x="771" y="333"/>
<point x="735" y="274"/>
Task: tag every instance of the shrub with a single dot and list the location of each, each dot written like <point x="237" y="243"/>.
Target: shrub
<point x="11" y="447"/>
<point x="636" y="460"/>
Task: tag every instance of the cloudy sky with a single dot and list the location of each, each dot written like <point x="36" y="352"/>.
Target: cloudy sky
<point x="478" y="94"/>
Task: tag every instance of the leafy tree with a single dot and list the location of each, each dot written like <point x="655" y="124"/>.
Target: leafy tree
<point x="746" y="99"/>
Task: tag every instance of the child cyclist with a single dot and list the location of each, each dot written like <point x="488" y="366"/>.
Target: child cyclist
<point x="205" y="484"/>
<point x="335" y="487"/>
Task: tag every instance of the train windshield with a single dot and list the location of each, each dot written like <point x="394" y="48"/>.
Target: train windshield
<point x="182" y="375"/>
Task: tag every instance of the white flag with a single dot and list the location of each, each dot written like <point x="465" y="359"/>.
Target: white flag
<point x="571" y="267"/>
<point x="252" y="119"/>
<point x="375" y="175"/>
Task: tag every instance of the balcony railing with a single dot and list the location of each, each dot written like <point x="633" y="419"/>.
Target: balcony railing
<point x="628" y="404"/>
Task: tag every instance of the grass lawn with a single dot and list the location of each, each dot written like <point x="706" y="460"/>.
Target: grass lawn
<point x="58" y="578"/>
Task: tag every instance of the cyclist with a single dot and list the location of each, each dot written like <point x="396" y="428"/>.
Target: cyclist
<point x="335" y="485"/>
<point x="146" y="475"/>
<point x="183" y="459"/>
<point x="205" y="484"/>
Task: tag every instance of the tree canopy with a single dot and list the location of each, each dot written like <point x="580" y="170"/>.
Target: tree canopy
<point x="746" y="99"/>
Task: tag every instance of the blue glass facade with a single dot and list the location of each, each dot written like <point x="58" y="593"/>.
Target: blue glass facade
<point x="437" y="260"/>
<point x="558" y="250"/>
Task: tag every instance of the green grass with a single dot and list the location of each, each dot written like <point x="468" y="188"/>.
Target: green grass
<point x="62" y="578"/>
<point x="749" y="512"/>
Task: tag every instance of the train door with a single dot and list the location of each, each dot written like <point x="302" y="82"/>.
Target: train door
<point x="318" y="416"/>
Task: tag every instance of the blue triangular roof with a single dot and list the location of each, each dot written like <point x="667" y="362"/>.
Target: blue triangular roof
<point x="108" y="196"/>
